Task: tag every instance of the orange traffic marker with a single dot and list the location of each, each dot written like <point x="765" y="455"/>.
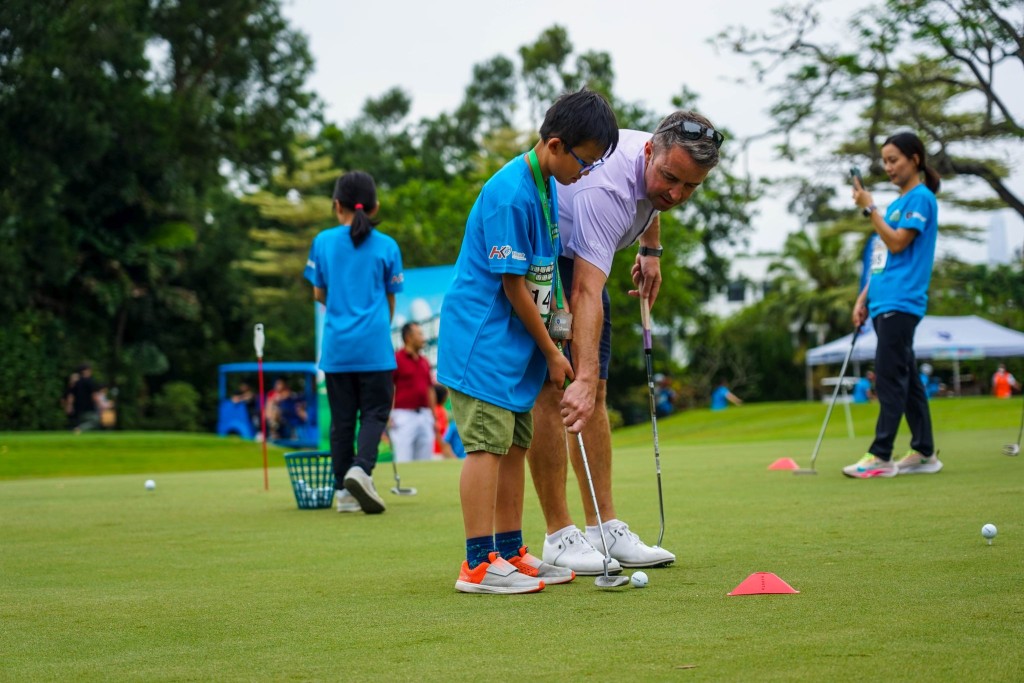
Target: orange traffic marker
<point x="784" y="464"/>
<point x="762" y="583"/>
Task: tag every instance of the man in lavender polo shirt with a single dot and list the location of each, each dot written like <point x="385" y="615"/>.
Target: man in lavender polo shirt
<point x="601" y="214"/>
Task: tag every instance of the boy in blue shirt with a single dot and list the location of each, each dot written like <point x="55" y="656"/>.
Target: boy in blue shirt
<point x="495" y="350"/>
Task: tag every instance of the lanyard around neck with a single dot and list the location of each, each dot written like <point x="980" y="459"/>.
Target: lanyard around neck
<point x="545" y="204"/>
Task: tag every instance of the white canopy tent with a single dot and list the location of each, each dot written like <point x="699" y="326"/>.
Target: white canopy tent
<point x="937" y="337"/>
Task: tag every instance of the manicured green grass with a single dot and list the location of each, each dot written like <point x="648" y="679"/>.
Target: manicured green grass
<point x="61" y="454"/>
<point x="210" y="578"/>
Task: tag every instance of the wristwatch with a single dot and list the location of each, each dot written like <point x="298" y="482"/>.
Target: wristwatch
<point x="651" y="251"/>
<point x="869" y="210"/>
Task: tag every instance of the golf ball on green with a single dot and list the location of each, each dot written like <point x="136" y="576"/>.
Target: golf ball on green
<point x="150" y="484"/>
<point x="989" y="531"/>
<point x="639" y="579"/>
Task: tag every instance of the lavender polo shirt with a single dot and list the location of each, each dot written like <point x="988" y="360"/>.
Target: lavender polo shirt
<point x="607" y="210"/>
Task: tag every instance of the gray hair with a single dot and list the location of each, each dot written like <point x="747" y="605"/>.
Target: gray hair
<point x="702" y="151"/>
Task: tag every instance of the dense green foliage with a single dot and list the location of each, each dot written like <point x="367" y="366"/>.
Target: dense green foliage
<point x="119" y="120"/>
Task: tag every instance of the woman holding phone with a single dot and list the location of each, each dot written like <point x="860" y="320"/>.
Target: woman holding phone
<point x="896" y="297"/>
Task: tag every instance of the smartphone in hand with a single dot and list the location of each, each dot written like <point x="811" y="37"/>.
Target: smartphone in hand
<point x="858" y="179"/>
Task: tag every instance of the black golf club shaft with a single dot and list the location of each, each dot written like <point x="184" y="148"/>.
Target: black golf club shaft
<point x="645" y="320"/>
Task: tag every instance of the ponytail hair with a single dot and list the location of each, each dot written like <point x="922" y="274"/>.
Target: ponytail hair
<point x="911" y="145"/>
<point x="356" y="192"/>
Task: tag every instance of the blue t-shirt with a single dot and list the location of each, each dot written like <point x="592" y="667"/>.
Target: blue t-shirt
<point x="357" y="326"/>
<point x="718" y="398"/>
<point x="484" y="350"/>
<point x="861" y="391"/>
<point x="899" y="282"/>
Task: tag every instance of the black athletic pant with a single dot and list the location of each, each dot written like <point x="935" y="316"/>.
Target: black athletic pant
<point x="899" y="387"/>
<point x="366" y="396"/>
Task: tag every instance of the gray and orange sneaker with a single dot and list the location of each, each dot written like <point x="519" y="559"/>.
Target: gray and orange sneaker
<point x="533" y="566"/>
<point x="871" y="466"/>
<point x="496" y="576"/>
<point x="919" y="463"/>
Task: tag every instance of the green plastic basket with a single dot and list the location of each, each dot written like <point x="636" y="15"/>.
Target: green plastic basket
<point x="312" y="477"/>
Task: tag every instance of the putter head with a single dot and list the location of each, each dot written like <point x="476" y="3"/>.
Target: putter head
<point x="803" y="471"/>
<point x="1011" y="449"/>
<point x="399" y="491"/>
<point x="604" y="581"/>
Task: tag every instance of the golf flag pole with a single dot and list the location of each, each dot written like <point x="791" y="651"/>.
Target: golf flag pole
<point x="645" y="319"/>
<point x="257" y="342"/>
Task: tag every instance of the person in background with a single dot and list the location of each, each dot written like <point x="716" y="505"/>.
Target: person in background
<point x="1003" y="383"/>
<point x="85" y="401"/>
<point x="929" y="381"/>
<point x="291" y="414"/>
<point x="355" y="271"/>
<point x="67" y="401"/>
<point x="896" y="298"/>
<point x="412" y="417"/>
<point x="721" y="397"/>
<point x="863" y="390"/>
<point x="665" y="396"/>
<point x="247" y="396"/>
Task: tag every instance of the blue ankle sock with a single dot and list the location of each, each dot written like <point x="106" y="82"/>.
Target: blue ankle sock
<point x="508" y="543"/>
<point x="477" y="550"/>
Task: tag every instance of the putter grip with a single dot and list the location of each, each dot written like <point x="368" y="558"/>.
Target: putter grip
<point x="645" y="321"/>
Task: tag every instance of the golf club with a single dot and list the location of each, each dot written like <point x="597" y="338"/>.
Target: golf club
<point x="645" y="319"/>
<point x="603" y="581"/>
<point x="1014" y="448"/>
<point x="397" y="489"/>
<point x="831" y="405"/>
<point x="258" y="341"/>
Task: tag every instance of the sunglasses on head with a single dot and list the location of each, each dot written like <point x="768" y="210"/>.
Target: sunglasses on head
<point x="691" y="130"/>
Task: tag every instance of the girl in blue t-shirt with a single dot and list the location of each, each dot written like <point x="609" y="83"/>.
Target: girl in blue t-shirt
<point x="355" y="272"/>
<point x="896" y="297"/>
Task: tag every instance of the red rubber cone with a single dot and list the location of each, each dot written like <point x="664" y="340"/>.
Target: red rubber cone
<point x="784" y="464"/>
<point x="762" y="583"/>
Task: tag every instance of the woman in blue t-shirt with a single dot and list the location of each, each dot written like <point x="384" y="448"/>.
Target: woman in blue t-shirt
<point x="896" y="297"/>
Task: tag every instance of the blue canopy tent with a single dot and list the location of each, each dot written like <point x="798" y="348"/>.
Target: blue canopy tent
<point x="937" y="337"/>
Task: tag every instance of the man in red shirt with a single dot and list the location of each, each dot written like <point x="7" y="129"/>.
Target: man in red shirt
<point x="412" y="419"/>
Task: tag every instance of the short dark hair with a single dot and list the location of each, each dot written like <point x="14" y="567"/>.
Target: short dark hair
<point x="579" y="117"/>
<point x="909" y="145"/>
<point x="357" y="192"/>
<point x="703" y="150"/>
<point x="407" y="328"/>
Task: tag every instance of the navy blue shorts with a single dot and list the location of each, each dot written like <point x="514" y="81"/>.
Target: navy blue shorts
<point x="565" y="270"/>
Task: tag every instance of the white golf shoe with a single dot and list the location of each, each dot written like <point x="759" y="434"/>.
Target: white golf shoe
<point x="360" y="485"/>
<point x="627" y="548"/>
<point x="569" y="548"/>
<point x="346" y="502"/>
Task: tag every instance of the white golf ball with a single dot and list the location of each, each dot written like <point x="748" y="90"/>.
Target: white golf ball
<point x="639" y="579"/>
<point x="150" y="484"/>
<point x="988" y="531"/>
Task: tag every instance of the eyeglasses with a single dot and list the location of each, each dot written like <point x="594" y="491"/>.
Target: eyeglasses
<point x="691" y="130"/>
<point x="584" y="166"/>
